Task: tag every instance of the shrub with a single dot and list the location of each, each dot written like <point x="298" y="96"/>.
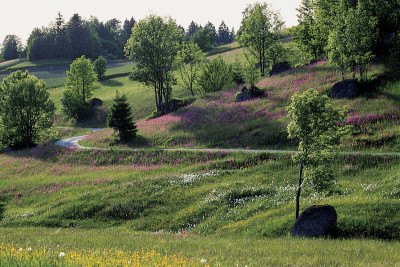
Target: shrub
<point x="215" y="76"/>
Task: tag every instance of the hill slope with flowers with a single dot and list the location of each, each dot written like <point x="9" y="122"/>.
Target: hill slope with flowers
<point x="215" y="120"/>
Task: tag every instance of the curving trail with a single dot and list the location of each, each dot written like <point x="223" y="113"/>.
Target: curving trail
<point x="74" y="142"/>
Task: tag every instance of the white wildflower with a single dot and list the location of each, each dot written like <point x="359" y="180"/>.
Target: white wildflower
<point x="62" y="254"/>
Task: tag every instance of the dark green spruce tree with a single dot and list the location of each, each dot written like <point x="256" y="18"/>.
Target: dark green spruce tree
<point x="120" y="119"/>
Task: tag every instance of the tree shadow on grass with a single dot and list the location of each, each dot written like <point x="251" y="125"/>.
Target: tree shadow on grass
<point x="138" y="142"/>
<point x="111" y="83"/>
<point x="231" y="128"/>
<point x="2" y="209"/>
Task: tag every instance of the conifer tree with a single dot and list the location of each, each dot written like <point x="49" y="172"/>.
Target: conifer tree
<point x="120" y="119"/>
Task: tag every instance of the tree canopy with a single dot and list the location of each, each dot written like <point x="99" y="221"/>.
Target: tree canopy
<point x="79" y="85"/>
<point x="318" y="127"/>
<point x="78" y="37"/>
<point x="190" y="58"/>
<point x="259" y="30"/>
<point x="11" y="47"/>
<point x="25" y="109"/>
<point x="100" y="67"/>
<point x="154" y="44"/>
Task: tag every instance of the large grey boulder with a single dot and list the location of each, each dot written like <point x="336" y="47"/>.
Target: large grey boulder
<point x="316" y="221"/>
<point x="345" y="89"/>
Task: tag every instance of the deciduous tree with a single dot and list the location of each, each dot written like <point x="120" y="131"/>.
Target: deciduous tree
<point x="79" y="85"/>
<point x="318" y="127"/>
<point x="204" y="38"/>
<point x="25" y="109"/>
<point x="352" y="38"/>
<point x="190" y="59"/>
<point x="259" y="30"/>
<point x="308" y="34"/>
<point x="154" y="44"/>
<point x="100" y="67"/>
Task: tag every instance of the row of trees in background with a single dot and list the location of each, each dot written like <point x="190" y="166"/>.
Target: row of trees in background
<point x="207" y="36"/>
<point x="349" y="32"/>
<point x="93" y="38"/>
<point x="79" y="37"/>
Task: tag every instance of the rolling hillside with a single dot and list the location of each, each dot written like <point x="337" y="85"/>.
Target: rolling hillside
<point x="202" y="208"/>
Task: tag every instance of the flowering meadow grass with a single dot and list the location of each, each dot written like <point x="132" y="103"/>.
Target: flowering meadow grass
<point x="199" y="192"/>
<point x="13" y="256"/>
<point x="189" y="208"/>
<point x="108" y="247"/>
<point x="214" y="120"/>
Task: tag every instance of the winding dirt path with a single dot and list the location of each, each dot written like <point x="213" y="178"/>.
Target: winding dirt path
<point x="74" y="142"/>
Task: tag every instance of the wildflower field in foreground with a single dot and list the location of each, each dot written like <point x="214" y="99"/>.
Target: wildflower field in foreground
<point x="233" y="194"/>
<point x="215" y="120"/>
<point x="10" y="256"/>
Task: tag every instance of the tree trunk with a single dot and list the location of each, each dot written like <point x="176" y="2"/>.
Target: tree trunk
<point x="155" y="94"/>
<point x="299" y="191"/>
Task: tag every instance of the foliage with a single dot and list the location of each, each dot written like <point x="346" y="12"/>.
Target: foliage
<point x="352" y="38"/>
<point x="204" y="38"/>
<point x="190" y="58"/>
<point x="79" y="37"/>
<point x="225" y="36"/>
<point x="318" y="127"/>
<point x="238" y="71"/>
<point x="192" y="29"/>
<point x="308" y="34"/>
<point x="395" y="55"/>
<point x="79" y="86"/>
<point x="277" y="53"/>
<point x="361" y="33"/>
<point x="154" y="45"/>
<point x="258" y="31"/>
<point x="11" y="47"/>
<point x="100" y="67"/>
<point x="120" y="119"/>
<point x="251" y="73"/>
<point x="215" y="76"/>
<point x="25" y="109"/>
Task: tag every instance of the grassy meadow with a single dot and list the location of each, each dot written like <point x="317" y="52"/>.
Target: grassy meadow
<point x="149" y="207"/>
<point x="226" y="208"/>
<point x="216" y="121"/>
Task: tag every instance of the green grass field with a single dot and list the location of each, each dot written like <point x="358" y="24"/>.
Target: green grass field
<point x="208" y="206"/>
<point x="53" y="72"/>
<point x="147" y="207"/>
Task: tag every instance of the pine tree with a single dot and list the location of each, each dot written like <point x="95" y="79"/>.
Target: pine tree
<point x="120" y="119"/>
